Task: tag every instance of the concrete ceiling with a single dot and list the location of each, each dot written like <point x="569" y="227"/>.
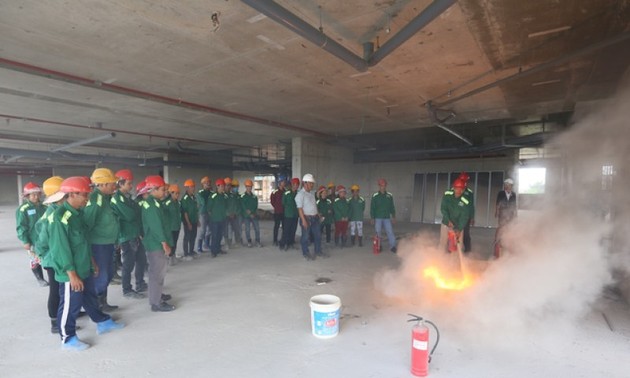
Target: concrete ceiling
<point x="164" y="78"/>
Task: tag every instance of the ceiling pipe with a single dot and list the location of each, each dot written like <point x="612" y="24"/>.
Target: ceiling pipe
<point x="84" y="142"/>
<point x="432" y="110"/>
<point x="292" y="22"/>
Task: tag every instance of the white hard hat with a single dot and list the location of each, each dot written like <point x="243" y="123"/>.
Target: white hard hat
<point x="509" y="181"/>
<point x="308" y="178"/>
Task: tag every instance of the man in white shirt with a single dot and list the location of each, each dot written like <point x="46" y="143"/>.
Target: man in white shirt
<point x="309" y="218"/>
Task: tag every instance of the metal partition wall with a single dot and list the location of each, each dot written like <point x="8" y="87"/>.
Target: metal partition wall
<point x="430" y="187"/>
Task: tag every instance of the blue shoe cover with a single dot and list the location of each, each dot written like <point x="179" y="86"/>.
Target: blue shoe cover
<point x="108" y="325"/>
<point x="74" y="343"/>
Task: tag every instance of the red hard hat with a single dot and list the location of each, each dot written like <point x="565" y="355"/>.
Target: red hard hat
<point x="459" y="183"/>
<point x="295" y="180"/>
<point x="124" y="174"/>
<point x="152" y="182"/>
<point x="140" y="186"/>
<point x="31" y="187"/>
<point x="341" y="188"/>
<point x="219" y="182"/>
<point x="321" y="188"/>
<point x="382" y="181"/>
<point x="75" y="184"/>
<point x="464" y="176"/>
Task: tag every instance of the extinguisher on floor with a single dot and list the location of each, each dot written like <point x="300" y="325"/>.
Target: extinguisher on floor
<point x="376" y="245"/>
<point x="420" y="356"/>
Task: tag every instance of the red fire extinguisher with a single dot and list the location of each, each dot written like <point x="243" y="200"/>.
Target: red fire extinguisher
<point x="420" y="356"/>
<point x="452" y="241"/>
<point x="376" y="245"/>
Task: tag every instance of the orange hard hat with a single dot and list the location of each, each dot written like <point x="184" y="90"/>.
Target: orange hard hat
<point x="459" y="183"/>
<point x="124" y="174"/>
<point x="52" y="185"/>
<point x="75" y="184"/>
<point x="31" y="187"/>
<point x="249" y="182"/>
<point x="205" y="180"/>
<point x="152" y="182"/>
<point x="227" y="181"/>
<point x="189" y="182"/>
<point x="173" y="188"/>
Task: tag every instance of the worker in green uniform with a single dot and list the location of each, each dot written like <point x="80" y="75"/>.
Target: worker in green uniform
<point x="217" y="212"/>
<point x="157" y="242"/>
<point x="174" y="218"/>
<point x="289" y="224"/>
<point x="383" y="213"/>
<point x="25" y="217"/>
<point x="128" y="215"/>
<point x="249" y="202"/>
<point x="190" y="219"/>
<point x="325" y="209"/>
<point x="203" y="234"/>
<point x="233" y="213"/>
<point x="455" y="208"/>
<point x="357" y="208"/>
<point x="341" y="209"/>
<point x="75" y="266"/>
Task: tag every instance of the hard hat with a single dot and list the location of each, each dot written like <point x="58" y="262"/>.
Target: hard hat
<point x="140" y="186"/>
<point x="152" y="182"/>
<point x="331" y="184"/>
<point x="308" y="178"/>
<point x="235" y="182"/>
<point x="189" y="182"/>
<point x="52" y="185"/>
<point x="321" y="189"/>
<point x="220" y="182"/>
<point x="205" y="180"/>
<point x="354" y="187"/>
<point x="341" y="188"/>
<point x="507" y="181"/>
<point x="295" y="181"/>
<point x="228" y="181"/>
<point x="31" y="187"/>
<point x="173" y="188"/>
<point x="459" y="183"/>
<point x="124" y="174"/>
<point x="103" y="176"/>
<point x="382" y="181"/>
<point x="464" y="176"/>
<point x="249" y="182"/>
<point x="75" y="184"/>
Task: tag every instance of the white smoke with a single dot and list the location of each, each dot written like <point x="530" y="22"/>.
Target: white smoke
<point x="561" y="256"/>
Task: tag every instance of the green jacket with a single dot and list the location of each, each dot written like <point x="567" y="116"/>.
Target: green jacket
<point x="42" y="244"/>
<point x="325" y="209"/>
<point x="202" y="200"/>
<point x="382" y="206"/>
<point x="174" y="213"/>
<point x="357" y="208"/>
<point x="217" y="206"/>
<point x="250" y="203"/>
<point x="341" y="208"/>
<point x="233" y="206"/>
<point x="69" y="246"/>
<point x="189" y="206"/>
<point x="102" y="223"/>
<point x="288" y="202"/>
<point x="470" y="196"/>
<point x="155" y="226"/>
<point x="25" y="218"/>
<point x="128" y="215"/>
<point x="455" y="210"/>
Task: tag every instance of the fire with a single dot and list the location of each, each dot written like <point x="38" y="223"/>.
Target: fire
<point x="448" y="283"/>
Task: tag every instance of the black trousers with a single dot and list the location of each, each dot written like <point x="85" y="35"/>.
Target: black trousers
<point x="467" y="242"/>
<point x="175" y="239"/>
<point x="53" y="293"/>
<point x="289" y="227"/>
<point x="189" y="239"/>
<point x="328" y="228"/>
<point x="277" y="221"/>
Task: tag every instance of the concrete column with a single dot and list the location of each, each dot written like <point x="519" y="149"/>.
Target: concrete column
<point x="20" y="185"/>
<point x="297" y="145"/>
<point x="165" y="168"/>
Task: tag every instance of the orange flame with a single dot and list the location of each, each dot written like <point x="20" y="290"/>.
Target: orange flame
<point x="448" y="283"/>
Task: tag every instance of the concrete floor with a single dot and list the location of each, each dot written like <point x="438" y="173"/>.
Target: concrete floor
<point x="246" y="314"/>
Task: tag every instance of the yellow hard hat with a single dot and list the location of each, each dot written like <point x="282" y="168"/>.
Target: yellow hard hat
<point x="331" y="184"/>
<point x="52" y="185"/>
<point x="103" y="176"/>
<point x="354" y="187"/>
<point x="235" y="182"/>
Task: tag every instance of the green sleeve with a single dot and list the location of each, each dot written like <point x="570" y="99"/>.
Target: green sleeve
<point x="21" y="221"/>
<point x="90" y="212"/>
<point x="123" y="211"/>
<point x="393" y="208"/>
<point x="372" y="207"/>
<point x="60" y="244"/>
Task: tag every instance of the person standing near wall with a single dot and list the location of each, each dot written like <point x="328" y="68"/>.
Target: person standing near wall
<point x="341" y="209"/>
<point x="325" y="209"/>
<point x="203" y="234"/>
<point x="26" y="216"/>
<point x="54" y="198"/>
<point x="289" y="224"/>
<point x="383" y="213"/>
<point x="174" y="211"/>
<point x="309" y="218"/>
<point x="190" y="219"/>
<point x="250" y="207"/>
<point x="357" y="209"/>
<point x="278" y="209"/>
<point x="217" y="210"/>
<point x="506" y="211"/>
<point x="157" y="242"/>
<point x="102" y="230"/>
<point x="128" y="214"/>
<point x="75" y="266"/>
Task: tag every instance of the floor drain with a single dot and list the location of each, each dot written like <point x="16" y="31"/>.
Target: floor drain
<point x="323" y="280"/>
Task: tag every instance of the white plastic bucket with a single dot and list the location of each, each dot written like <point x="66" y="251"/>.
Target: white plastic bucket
<point x="325" y="311"/>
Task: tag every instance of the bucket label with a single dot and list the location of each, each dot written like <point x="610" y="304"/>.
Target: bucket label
<point x="326" y="323"/>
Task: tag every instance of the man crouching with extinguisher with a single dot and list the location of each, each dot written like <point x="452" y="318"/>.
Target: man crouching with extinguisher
<point x="456" y="211"/>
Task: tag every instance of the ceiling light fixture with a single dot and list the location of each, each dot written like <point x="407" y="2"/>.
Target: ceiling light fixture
<point x="84" y="142"/>
<point x="381" y="99"/>
<point x="360" y="74"/>
<point x="550" y="31"/>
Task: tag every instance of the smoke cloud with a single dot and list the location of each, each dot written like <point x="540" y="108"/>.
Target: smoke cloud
<point x="561" y="255"/>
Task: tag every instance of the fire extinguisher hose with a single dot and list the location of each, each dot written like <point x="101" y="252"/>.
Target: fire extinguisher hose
<point x="416" y="318"/>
